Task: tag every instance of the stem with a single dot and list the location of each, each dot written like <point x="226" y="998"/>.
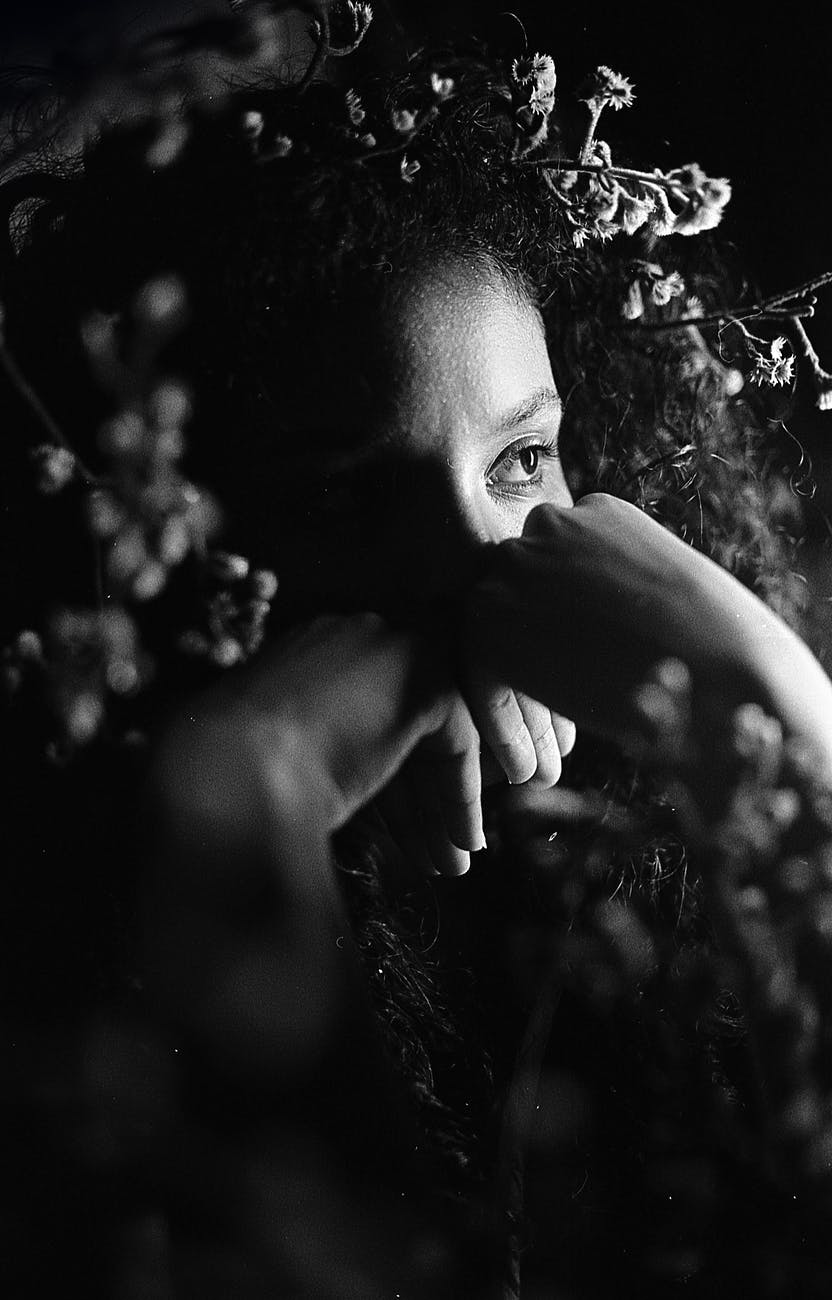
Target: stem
<point x="761" y="313"/>
<point x="518" y="1116"/>
<point x="321" y="49"/>
<point x="586" y="147"/>
<point x="806" y="343"/>
<point x="403" y="145"/>
<point x="577" y="165"/>
<point x="801" y="291"/>
<point x="31" y="399"/>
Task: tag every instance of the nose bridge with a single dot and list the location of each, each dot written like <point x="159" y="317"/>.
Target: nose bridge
<point x="448" y="530"/>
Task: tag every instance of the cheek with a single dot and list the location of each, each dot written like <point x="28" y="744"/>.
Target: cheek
<point x="507" y="519"/>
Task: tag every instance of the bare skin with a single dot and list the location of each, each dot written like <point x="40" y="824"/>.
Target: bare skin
<point x="563" y="609"/>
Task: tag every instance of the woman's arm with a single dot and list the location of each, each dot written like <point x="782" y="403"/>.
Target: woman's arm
<point x="579" y="609"/>
<point x="245" y="939"/>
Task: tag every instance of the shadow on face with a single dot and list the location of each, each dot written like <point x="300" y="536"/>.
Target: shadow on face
<point x="432" y="435"/>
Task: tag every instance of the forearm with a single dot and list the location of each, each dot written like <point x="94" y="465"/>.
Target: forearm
<point x="242" y="916"/>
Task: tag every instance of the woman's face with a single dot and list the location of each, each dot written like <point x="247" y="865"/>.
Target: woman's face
<point x="441" y="440"/>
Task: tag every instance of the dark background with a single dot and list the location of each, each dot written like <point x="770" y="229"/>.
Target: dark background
<point x="745" y="91"/>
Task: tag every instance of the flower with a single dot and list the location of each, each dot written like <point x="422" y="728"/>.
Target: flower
<point x="533" y="79"/>
<point x="348" y="24"/>
<point x="282" y="146"/>
<point x="633" y="211"/>
<point x="667" y="287"/>
<point x="602" y="199"/>
<point x="408" y="168"/>
<point x="264" y="584"/>
<point x="355" y="109"/>
<point x="442" y="87"/>
<point x="823" y="401"/>
<point x="605" y="87"/>
<point x="633" y="305"/>
<point x="56" y="467"/>
<point x="703" y="204"/>
<point x="227" y="567"/>
<point x="774" y="370"/>
<point x="160" y="300"/>
<point x="168" y="144"/>
<point x="29" y="646"/>
<point x="253" y="123"/>
<point x="661" y="220"/>
<point x="403" y="119"/>
<point x="689" y="177"/>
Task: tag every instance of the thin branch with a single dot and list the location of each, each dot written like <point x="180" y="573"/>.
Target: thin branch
<point x="802" y="290"/>
<point x="624" y="173"/>
<point x="321" y="49"/>
<point x="31" y="399"/>
<point x="519" y="1113"/>
<point x="761" y="313"/>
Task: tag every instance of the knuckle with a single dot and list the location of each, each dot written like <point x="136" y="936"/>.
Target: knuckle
<point x="502" y="701"/>
<point x="520" y="738"/>
<point x="545" y="740"/>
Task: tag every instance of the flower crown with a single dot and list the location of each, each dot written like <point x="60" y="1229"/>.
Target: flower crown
<point x="145" y="516"/>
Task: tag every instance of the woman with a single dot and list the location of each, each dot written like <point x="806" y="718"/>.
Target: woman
<point x="410" y="355"/>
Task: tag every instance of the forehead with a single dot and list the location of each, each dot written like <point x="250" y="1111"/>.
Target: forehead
<point x="457" y="317"/>
<point x="447" y="355"/>
<point x="468" y="347"/>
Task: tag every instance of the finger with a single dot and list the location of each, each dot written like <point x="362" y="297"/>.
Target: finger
<point x="566" y="733"/>
<point x="433" y="850"/>
<point x="404" y="822"/>
<point x="502" y="726"/>
<point x="450" y="760"/>
<point x="539" y="726"/>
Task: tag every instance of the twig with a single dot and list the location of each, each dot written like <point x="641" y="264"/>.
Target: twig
<point x="30" y="397"/>
<point x="518" y="1117"/>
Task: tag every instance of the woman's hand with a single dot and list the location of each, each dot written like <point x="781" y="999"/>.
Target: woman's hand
<point x="578" y="610"/>
<point x="330" y="717"/>
<point x="433" y="807"/>
<point x="245" y="941"/>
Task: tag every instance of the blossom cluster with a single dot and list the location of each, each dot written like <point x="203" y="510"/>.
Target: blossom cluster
<point x="761" y="825"/>
<point x="234" y="606"/>
<point x="600" y="200"/>
<point x="146" y="519"/>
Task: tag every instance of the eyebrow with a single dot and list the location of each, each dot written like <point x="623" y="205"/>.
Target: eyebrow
<point x="543" y="399"/>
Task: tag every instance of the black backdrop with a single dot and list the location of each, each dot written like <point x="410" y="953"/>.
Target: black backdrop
<point x="744" y="90"/>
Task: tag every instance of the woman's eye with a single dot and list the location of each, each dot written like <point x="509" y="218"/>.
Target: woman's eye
<point x="520" y="466"/>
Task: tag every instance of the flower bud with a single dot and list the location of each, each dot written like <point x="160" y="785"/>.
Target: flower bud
<point x="56" y="467"/>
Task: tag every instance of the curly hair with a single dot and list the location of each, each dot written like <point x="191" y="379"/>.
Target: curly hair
<point x="287" y="246"/>
<point x="273" y="251"/>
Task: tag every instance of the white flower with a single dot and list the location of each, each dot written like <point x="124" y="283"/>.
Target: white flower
<point x="602" y="200"/>
<point x="534" y="80"/>
<point x="228" y="567"/>
<point x="662" y="219"/>
<point x="605" y="87"/>
<point x="634" y="211"/>
<point x="667" y="287"/>
<point x="348" y="23"/>
<point x="160" y="300"/>
<point x="775" y="370"/>
<point x="253" y="123"/>
<point x="690" y="177"/>
<point x="403" y="119"/>
<point x="633" y="305"/>
<point x="56" y="467"/>
<point x="442" y="87"/>
<point x="355" y="109"/>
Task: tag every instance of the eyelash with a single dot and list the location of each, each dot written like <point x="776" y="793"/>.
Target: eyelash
<point x="547" y="449"/>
